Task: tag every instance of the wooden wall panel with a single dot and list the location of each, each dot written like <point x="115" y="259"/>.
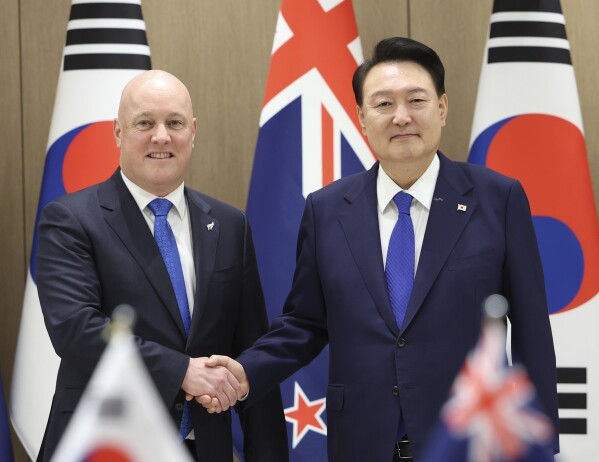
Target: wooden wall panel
<point x="12" y="260"/>
<point x="43" y="35"/>
<point x="378" y="19"/>
<point x="583" y="34"/>
<point x="11" y="187"/>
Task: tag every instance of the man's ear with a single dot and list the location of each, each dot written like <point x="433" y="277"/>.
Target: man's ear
<point x="443" y="108"/>
<point x="116" y="130"/>
<point x="361" y="119"/>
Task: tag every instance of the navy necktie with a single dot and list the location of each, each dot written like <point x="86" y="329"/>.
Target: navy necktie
<point x="399" y="269"/>
<point x="163" y="234"/>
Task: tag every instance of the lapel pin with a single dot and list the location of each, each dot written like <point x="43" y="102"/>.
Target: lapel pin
<point x="209" y="226"/>
<point x="440" y="199"/>
<point x="461" y="208"/>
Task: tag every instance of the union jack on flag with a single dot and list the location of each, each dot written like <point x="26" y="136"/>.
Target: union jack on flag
<point x="491" y="415"/>
<point x="309" y="136"/>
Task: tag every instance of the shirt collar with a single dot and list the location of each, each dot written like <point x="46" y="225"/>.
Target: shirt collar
<point x="143" y="197"/>
<point x="422" y="190"/>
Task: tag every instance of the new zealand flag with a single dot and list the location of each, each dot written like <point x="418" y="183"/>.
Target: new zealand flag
<point x="309" y="136"/>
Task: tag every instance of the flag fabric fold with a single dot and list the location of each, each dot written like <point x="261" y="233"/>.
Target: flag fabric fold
<point x="105" y="47"/>
<point x="309" y="136"/>
<point x="491" y="415"/>
<point x="528" y="125"/>
<point x="120" y="416"/>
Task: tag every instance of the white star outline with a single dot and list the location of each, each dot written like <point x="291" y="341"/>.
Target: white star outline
<point x="298" y="393"/>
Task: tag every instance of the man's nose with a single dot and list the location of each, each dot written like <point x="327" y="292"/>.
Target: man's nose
<point x="161" y="134"/>
<point x="402" y="116"/>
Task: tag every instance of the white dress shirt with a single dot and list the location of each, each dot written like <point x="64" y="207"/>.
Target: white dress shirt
<point x="178" y="219"/>
<point x="422" y="191"/>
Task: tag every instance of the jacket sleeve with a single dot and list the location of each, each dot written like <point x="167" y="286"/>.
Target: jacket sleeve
<point x="531" y="337"/>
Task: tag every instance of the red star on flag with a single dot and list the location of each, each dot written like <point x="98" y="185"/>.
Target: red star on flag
<point x="305" y="415"/>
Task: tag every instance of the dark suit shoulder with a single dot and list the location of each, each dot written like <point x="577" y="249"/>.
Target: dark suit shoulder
<point x="214" y="207"/>
<point x="481" y="174"/>
<point x="79" y="200"/>
<point x="487" y="174"/>
<point x="468" y="178"/>
<point x="348" y="185"/>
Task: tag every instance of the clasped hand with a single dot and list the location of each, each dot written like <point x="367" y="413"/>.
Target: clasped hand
<point x="216" y="383"/>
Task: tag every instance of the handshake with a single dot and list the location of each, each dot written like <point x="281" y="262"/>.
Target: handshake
<point x="216" y="383"/>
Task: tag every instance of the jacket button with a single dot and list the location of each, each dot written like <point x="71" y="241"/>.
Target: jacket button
<point x="395" y="390"/>
<point x="401" y="342"/>
<point x="179" y="407"/>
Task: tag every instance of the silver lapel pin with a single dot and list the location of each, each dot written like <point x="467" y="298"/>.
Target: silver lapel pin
<point x="209" y="226"/>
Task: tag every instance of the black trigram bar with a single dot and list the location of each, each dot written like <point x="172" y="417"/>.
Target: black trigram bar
<point x="527" y="29"/>
<point x="129" y="36"/>
<point x="106" y="61"/>
<point x="105" y="10"/>
<point x="572" y="400"/>
<point x="545" y="6"/>
<point x="571" y="375"/>
<point x="529" y="54"/>
<point x="573" y="426"/>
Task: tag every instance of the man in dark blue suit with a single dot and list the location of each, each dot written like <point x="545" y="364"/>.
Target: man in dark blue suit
<point x="97" y="251"/>
<point x="471" y="235"/>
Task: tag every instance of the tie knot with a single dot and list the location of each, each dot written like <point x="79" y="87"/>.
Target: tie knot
<point x="160" y="207"/>
<point x="403" y="201"/>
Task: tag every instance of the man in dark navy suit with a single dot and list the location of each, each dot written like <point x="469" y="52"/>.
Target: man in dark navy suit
<point x="471" y="235"/>
<point x="97" y="251"/>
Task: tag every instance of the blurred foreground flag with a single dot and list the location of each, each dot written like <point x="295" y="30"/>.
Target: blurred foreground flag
<point x="309" y="136"/>
<point x="6" y="454"/>
<point x="106" y="46"/>
<point x="491" y="415"/>
<point x="121" y="417"/>
<point x="528" y="125"/>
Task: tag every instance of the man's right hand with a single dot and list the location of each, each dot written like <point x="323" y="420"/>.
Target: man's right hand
<point x="213" y="403"/>
<point x="215" y="381"/>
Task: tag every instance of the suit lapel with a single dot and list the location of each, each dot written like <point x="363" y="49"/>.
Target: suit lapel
<point x="205" y="231"/>
<point x="124" y="217"/>
<point x="450" y="212"/>
<point x="359" y="220"/>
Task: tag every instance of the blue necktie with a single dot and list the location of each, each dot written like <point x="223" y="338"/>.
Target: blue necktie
<point x="168" y="249"/>
<point x="399" y="270"/>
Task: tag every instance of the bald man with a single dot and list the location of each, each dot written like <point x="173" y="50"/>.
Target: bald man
<point x="97" y="250"/>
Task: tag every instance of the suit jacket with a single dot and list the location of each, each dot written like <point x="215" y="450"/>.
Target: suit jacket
<point x="96" y="252"/>
<point x="339" y="297"/>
